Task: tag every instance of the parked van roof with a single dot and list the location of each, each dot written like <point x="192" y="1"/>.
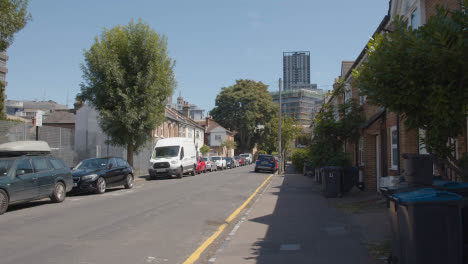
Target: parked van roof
<point x="173" y="141"/>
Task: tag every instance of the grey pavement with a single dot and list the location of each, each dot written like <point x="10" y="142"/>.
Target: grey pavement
<point x="291" y="222"/>
<point x="159" y="221"/>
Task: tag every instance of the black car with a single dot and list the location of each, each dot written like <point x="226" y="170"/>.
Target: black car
<point x="230" y="163"/>
<point x="99" y="173"/>
<point x="29" y="172"/>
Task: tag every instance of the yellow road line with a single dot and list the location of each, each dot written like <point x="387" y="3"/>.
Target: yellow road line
<point x="196" y="255"/>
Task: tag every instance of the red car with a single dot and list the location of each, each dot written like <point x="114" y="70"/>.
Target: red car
<point x="240" y="159"/>
<point x="201" y="166"/>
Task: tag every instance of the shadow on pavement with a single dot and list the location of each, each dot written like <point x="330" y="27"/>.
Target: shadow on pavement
<point x="302" y="227"/>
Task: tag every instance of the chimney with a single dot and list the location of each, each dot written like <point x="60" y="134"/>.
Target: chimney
<point x="207" y="122"/>
<point x="186" y="109"/>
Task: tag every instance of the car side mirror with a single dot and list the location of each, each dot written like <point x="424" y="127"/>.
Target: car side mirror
<point x="20" y="172"/>
<point x="110" y="166"/>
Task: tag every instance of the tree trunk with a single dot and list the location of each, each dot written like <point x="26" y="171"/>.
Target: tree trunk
<point x="130" y="154"/>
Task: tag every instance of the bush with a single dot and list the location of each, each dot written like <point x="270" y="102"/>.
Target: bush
<point x="300" y="156"/>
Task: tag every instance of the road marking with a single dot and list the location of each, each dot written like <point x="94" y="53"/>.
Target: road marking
<point x="196" y="255"/>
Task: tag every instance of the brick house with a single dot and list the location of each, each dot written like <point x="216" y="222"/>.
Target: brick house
<point x="384" y="138"/>
<point x="215" y="135"/>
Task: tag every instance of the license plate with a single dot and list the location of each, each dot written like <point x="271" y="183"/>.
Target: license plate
<point x="265" y="162"/>
<point x="160" y="170"/>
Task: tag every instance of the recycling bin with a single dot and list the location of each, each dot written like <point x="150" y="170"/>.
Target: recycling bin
<point x="331" y="181"/>
<point x="350" y="179"/>
<point x="418" y="169"/>
<point x="460" y="188"/>
<point x="427" y="227"/>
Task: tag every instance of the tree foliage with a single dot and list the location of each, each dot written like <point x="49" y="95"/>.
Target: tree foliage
<point x="13" y="17"/>
<point x="2" y="101"/>
<point x="229" y="144"/>
<point x="204" y="149"/>
<point x="128" y="76"/>
<point x="333" y="126"/>
<point x="241" y="108"/>
<point x="422" y="74"/>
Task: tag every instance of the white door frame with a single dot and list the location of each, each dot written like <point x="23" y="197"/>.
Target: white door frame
<point x="377" y="161"/>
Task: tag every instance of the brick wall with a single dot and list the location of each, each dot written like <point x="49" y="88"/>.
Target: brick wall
<point x="431" y="6"/>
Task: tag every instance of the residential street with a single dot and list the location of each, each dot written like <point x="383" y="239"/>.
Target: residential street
<point x="160" y="221"/>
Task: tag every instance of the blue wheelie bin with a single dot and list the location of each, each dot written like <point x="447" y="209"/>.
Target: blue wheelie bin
<point x="427" y="227"/>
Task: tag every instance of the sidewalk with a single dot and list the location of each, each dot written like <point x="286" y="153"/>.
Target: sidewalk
<point x="292" y="222"/>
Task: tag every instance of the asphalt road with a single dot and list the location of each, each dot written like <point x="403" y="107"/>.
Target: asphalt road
<point x="159" y="221"/>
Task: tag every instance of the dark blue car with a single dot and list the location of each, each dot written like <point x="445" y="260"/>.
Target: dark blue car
<point x="266" y="163"/>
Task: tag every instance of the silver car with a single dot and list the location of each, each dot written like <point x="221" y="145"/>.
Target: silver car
<point x="210" y="164"/>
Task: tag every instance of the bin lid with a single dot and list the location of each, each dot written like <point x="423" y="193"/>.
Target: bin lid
<point x="426" y="195"/>
<point x="455" y="185"/>
<point x="439" y="182"/>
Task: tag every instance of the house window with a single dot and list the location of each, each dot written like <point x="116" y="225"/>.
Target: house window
<point x="361" y="151"/>
<point x="218" y="137"/>
<point x="414" y="18"/>
<point x="394" y="147"/>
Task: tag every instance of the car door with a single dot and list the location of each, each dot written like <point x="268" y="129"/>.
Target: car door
<point x="112" y="174"/>
<point x="24" y="184"/>
<point x="122" y="172"/>
<point x="45" y="175"/>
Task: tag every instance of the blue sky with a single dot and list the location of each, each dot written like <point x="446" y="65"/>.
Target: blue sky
<point x="214" y="42"/>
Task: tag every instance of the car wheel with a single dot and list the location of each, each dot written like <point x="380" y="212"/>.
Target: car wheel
<point x="3" y="201"/>
<point x="101" y="185"/>
<point x="181" y="173"/>
<point x="204" y="171"/>
<point x="59" y="193"/>
<point x="152" y="177"/>
<point x="128" y="181"/>
<point x="193" y="171"/>
<point x="256" y="170"/>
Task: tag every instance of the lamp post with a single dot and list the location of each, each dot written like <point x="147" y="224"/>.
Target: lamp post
<point x="280" y="167"/>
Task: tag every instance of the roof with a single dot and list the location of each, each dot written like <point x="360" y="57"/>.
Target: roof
<point x="43" y="105"/>
<point x="171" y="113"/>
<point x="60" y="117"/>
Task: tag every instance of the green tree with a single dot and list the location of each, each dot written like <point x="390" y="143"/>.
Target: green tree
<point x="331" y="133"/>
<point x="242" y="108"/>
<point x="204" y="149"/>
<point x="128" y="76"/>
<point x="421" y="74"/>
<point x="13" y="17"/>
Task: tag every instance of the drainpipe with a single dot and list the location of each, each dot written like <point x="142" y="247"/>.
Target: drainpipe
<point x="398" y="141"/>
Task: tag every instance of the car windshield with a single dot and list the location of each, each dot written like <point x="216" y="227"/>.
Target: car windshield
<point x="237" y="157"/>
<point x="216" y="158"/>
<point x="265" y="158"/>
<point x="5" y="165"/>
<point x="206" y="159"/>
<point x="92" y="164"/>
<point x="166" y="152"/>
<point x="244" y="155"/>
<point x="228" y="159"/>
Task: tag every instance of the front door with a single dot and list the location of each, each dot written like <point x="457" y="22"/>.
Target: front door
<point x="377" y="161"/>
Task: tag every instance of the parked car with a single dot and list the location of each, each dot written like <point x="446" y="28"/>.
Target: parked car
<point x="201" y="165"/>
<point x="266" y="162"/>
<point x="236" y="162"/>
<point x="230" y="163"/>
<point x="97" y="174"/>
<point x="220" y="162"/>
<point x="173" y="156"/>
<point x="29" y="172"/>
<point x="240" y="159"/>
<point x="248" y="158"/>
<point x="210" y="164"/>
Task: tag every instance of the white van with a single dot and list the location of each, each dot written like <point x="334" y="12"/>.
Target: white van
<point x="173" y="156"/>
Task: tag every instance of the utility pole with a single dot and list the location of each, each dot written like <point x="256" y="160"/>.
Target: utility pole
<point x="279" y="132"/>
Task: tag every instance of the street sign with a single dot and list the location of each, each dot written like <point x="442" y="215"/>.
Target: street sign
<point x="39" y="114"/>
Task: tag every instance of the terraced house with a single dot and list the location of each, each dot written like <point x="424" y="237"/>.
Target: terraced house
<point x="384" y="138"/>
